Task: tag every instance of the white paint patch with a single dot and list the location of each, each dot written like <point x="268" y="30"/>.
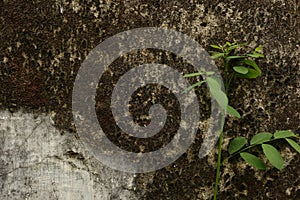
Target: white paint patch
<point x="35" y="163"/>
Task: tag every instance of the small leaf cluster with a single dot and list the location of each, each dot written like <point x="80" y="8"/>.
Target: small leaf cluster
<point x="215" y="88"/>
<point x="242" y="66"/>
<point x="237" y="147"/>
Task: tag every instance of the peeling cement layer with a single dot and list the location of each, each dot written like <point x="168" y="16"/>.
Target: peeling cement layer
<point x="37" y="161"/>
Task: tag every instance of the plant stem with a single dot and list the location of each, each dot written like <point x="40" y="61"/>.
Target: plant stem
<point x="227" y="78"/>
<point x="228" y="84"/>
<point x="219" y="164"/>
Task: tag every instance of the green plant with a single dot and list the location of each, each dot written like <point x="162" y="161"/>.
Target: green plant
<point x="237" y="147"/>
<point x="237" y="65"/>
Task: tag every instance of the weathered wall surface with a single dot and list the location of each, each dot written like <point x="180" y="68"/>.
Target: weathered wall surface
<point x="43" y="44"/>
<point x="40" y="162"/>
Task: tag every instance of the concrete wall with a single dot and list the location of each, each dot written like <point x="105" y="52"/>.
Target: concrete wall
<point x="43" y="44"/>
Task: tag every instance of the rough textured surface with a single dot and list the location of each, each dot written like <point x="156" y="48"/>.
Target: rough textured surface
<point x="40" y="162"/>
<point x="44" y="42"/>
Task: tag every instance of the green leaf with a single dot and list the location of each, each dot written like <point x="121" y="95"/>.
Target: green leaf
<point x="234" y="57"/>
<point x="253" y="160"/>
<point x="241" y="69"/>
<point x="236" y="144"/>
<point x="217" y="55"/>
<point x="253" y="64"/>
<point x="220" y="97"/>
<point x="233" y="111"/>
<point x="232" y="47"/>
<point x="251" y="74"/>
<point x="258" y="49"/>
<point x="260" y="55"/>
<point x="255" y="55"/>
<point x="209" y="73"/>
<point x="193" y="74"/>
<point x="213" y="83"/>
<point x="219" y="80"/>
<point x="216" y="46"/>
<point x="273" y="156"/>
<point x="194" y="85"/>
<point x="216" y="91"/>
<point x="261" y="138"/>
<point x="293" y="144"/>
<point x="284" y="134"/>
<point x="228" y="43"/>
